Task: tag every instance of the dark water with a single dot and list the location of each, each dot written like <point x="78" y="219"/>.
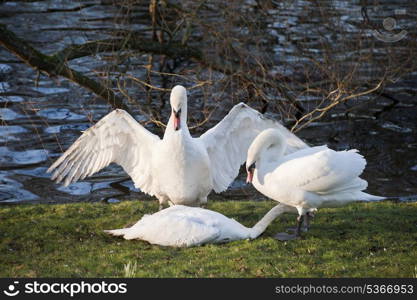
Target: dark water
<point x="41" y="117"/>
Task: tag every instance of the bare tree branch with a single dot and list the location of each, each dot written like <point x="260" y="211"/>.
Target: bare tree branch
<point x="173" y="50"/>
<point x="54" y="66"/>
<point x="337" y="96"/>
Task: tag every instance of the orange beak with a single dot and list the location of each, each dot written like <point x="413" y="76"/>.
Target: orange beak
<point x="176" y="115"/>
<point x="176" y="123"/>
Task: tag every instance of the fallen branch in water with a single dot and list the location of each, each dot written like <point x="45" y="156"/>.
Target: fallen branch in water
<point x="55" y="66"/>
<point x="172" y="49"/>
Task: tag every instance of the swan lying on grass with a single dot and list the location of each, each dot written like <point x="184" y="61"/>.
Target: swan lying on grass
<point x="184" y="226"/>
<point x="177" y="169"/>
<point x="306" y="179"/>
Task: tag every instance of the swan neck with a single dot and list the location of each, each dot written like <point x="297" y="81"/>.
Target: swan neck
<point x="267" y="148"/>
<point x="184" y="116"/>
<point x="263" y="223"/>
<point x="271" y="152"/>
<point x="183" y="123"/>
<point x="278" y="147"/>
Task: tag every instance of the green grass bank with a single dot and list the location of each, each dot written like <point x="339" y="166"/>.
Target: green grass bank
<point x="67" y="240"/>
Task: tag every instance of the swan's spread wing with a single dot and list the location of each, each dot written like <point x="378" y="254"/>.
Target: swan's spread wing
<point x="115" y="138"/>
<point x="322" y="172"/>
<point x="228" y="142"/>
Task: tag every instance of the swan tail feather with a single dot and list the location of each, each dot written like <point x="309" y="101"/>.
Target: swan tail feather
<point x="344" y="198"/>
<point x="357" y="184"/>
<point x="371" y="198"/>
<point x="117" y="232"/>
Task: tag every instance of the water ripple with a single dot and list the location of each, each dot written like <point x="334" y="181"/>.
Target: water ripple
<point x="50" y="90"/>
<point x="77" y="188"/>
<point x="12" y="190"/>
<point x="7" y="133"/>
<point x="60" y="114"/>
<point x="8" y="156"/>
<point x="6" y="114"/>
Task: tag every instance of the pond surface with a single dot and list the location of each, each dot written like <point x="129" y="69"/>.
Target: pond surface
<point x="41" y="117"/>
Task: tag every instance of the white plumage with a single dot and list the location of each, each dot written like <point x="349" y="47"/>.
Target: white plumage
<point x="177" y="169"/>
<point x="184" y="226"/>
<point x="306" y="179"/>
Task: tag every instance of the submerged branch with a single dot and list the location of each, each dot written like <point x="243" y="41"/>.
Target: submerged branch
<point x="172" y="49"/>
<point x="55" y="66"/>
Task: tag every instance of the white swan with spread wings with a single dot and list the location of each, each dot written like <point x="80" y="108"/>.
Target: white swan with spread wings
<point x="177" y="169"/>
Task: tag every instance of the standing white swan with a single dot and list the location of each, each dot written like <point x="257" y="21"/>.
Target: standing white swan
<point x="307" y="179"/>
<point x="177" y="169"/>
<point x="184" y="226"/>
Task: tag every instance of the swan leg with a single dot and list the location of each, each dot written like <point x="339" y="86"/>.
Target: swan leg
<point x="307" y="222"/>
<point x="283" y="236"/>
<point x="300" y="220"/>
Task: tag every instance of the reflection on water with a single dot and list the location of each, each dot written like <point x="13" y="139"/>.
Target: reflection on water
<point x="19" y="158"/>
<point x="5" y="69"/>
<point x="10" y="99"/>
<point x="49" y="90"/>
<point x="7" y="114"/>
<point x="9" y="133"/>
<point x="41" y="117"/>
<point x="36" y="172"/>
<point x="59" y="128"/>
<point x="60" y="114"/>
<point x="396" y="128"/>
<point x="12" y="190"/>
<point x="4" y="87"/>
<point x="77" y="188"/>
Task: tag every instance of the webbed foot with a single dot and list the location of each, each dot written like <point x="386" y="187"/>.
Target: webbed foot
<point x="283" y="236"/>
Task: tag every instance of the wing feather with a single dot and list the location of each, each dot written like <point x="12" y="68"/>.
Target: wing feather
<point x="227" y="143"/>
<point x="116" y="138"/>
<point x="323" y="172"/>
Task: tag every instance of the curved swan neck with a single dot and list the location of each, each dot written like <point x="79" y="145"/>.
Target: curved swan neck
<point x="184" y="115"/>
<point x="270" y="216"/>
<point x="276" y="147"/>
<point x="268" y="145"/>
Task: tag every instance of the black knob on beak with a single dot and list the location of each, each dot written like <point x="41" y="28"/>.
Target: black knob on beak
<point x="251" y="168"/>
<point x="177" y="115"/>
